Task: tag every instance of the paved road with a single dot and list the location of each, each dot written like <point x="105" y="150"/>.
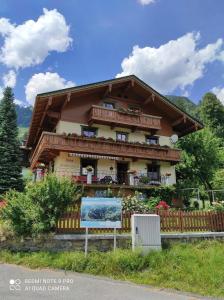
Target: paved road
<point x="21" y="283"/>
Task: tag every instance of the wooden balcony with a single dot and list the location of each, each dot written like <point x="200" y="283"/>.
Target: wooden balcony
<point x="102" y="115"/>
<point x="50" y="144"/>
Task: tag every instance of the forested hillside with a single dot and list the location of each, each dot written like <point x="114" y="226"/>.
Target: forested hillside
<point x="23" y="115"/>
<point x="185" y="104"/>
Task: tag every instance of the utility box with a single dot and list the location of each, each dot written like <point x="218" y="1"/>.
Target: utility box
<point x="145" y="232"/>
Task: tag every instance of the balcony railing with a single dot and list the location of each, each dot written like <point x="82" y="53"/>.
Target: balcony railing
<point x="50" y="144"/>
<point x="115" y="178"/>
<point x="102" y="115"/>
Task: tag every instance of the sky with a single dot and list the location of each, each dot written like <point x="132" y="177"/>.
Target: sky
<point x="175" y="46"/>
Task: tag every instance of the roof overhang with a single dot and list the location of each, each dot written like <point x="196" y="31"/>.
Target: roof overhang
<point x="49" y="105"/>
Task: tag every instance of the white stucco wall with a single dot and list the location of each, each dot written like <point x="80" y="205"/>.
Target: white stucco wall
<point x="165" y="167"/>
<point x="107" y="132"/>
<point x="65" y="165"/>
<point x="68" y="166"/>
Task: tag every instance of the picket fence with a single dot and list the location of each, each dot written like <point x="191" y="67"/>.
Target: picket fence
<point x="171" y="221"/>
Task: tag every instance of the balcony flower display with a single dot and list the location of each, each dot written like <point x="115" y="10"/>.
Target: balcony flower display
<point x="162" y="205"/>
<point x="89" y="169"/>
<point x="168" y="174"/>
<point x="133" y="172"/>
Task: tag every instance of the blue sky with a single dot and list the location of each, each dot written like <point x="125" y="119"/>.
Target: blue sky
<point x="179" y="47"/>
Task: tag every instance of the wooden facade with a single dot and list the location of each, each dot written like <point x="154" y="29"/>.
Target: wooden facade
<point x="114" y="117"/>
<point x="50" y="144"/>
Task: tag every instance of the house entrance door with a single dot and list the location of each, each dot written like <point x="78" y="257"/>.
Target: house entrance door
<point x="122" y="172"/>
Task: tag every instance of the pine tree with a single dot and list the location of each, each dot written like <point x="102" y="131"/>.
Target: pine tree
<point x="10" y="156"/>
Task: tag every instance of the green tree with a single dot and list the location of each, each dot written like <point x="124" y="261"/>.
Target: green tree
<point x="10" y="162"/>
<point x="211" y="113"/>
<point x="201" y="158"/>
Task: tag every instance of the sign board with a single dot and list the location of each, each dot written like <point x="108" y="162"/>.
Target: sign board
<point x="101" y="212"/>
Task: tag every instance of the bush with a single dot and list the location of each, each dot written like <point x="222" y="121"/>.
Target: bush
<point x="39" y="207"/>
<point x="20" y="212"/>
<point x="217" y="206"/>
<point x="165" y="193"/>
<point x="134" y="204"/>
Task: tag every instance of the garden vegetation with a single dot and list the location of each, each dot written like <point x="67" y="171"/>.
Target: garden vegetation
<point x="196" y="267"/>
<point x="38" y="208"/>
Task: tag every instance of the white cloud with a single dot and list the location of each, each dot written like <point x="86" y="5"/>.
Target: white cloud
<point x="30" y="43"/>
<point x="5" y="27"/>
<point x="9" y="79"/>
<point x="45" y="82"/>
<point x="219" y="92"/>
<point x="146" y="2"/>
<point x="176" y="64"/>
<point x="19" y="102"/>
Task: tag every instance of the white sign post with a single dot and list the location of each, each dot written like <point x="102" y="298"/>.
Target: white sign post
<point x="101" y="213"/>
<point x="86" y="242"/>
<point x="115" y="238"/>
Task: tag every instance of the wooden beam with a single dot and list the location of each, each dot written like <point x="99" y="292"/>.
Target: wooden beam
<point x="108" y="90"/>
<point x="192" y="128"/>
<point x="43" y="117"/>
<point x="128" y="86"/>
<point x="67" y="100"/>
<point x="149" y="99"/>
<point x="179" y="121"/>
<point x="53" y="114"/>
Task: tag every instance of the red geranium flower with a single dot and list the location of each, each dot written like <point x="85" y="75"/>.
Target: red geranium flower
<point x="162" y="205"/>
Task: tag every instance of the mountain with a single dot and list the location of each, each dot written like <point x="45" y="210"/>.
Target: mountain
<point x="23" y="115"/>
<point x="185" y="104"/>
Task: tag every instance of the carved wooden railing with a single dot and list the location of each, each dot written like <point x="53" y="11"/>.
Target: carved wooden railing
<point x="112" y="116"/>
<point x="51" y="143"/>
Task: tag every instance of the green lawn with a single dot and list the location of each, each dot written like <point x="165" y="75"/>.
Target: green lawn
<point x="197" y="268"/>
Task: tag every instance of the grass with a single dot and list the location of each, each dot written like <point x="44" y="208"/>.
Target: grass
<point x="197" y="267"/>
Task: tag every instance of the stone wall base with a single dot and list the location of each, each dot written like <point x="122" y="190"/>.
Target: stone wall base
<point x="96" y="242"/>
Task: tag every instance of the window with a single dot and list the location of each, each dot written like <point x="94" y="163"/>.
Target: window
<point x="109" y="105"/>
<point x="122" y="136"/>
<point x="153" y="171"/>
<point x="89" y="131"/>
<point x="152" y="140"/>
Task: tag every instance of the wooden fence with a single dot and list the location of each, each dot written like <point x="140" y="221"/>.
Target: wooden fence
<point x="171" y="221"/>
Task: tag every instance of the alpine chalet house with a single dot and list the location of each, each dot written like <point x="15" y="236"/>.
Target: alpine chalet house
<point x="119" y="133"/>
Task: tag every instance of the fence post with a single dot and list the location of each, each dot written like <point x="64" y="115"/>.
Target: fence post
<point x="181" y="220"/>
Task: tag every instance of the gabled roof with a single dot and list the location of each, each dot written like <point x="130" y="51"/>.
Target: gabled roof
<point x="58" y="98"/>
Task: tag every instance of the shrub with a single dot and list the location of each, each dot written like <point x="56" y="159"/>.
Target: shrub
<point x="166" y="193"/>
<point x="20" y="212"/>
<point x="217" y="206"/>
<point x="134" y="204"/>
<point x="39" y="207"/>
<point x="152" y="202"/>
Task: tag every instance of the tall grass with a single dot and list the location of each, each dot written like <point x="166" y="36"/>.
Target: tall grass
<point x="197" y="267"/>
